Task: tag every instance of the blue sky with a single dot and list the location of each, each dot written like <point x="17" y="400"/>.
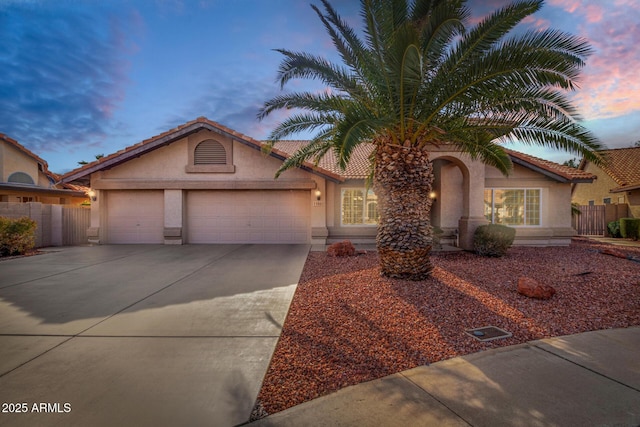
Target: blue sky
<point x="85" y="77"/>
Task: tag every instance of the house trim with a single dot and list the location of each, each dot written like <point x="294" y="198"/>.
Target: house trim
<point x="159" y="184"/>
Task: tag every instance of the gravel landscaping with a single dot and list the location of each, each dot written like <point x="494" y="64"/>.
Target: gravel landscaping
<point x="347" y="325"/>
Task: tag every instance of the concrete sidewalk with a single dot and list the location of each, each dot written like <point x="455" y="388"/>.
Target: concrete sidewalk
<point x="589" y="379"/>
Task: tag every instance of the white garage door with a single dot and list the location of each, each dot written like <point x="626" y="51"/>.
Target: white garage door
<point x="135" y="217"/>
<point x="248" y="217"/>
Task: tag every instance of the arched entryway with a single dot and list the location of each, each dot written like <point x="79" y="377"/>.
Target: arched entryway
<point x="458" y="188"/>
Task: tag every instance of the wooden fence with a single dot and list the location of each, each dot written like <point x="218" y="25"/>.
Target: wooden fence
<point x="593" y="219"/>
<point x="75" y="222"/>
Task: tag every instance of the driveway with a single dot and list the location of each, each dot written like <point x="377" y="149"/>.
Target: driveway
<point x="141" y="335"/>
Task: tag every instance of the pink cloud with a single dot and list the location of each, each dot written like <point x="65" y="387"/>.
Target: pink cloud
<point x="610" y="86"/>
<point x="594" y="13"/>
<point x="569" y="5"/>
<point x="537" y="22"/>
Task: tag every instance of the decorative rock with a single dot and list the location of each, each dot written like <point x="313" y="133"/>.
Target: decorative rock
<point x="344" y="248"/>
<point x="614" y="252"/>
<point x="532" y="289"/>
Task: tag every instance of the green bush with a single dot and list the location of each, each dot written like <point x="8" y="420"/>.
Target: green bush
<point x="17" y="236"/>
<point x="493" y="239"/>
<point x="630" y="228"/>
<point x="614" y="229"/>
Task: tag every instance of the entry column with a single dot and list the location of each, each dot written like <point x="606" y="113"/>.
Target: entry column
<point x="173" y="216"/>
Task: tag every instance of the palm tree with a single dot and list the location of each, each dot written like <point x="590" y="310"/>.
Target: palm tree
<point x="416" y="78"/>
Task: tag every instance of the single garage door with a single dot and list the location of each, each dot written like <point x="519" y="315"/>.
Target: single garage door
<point x="248" y="217"/>
<point x="135" y="217"/>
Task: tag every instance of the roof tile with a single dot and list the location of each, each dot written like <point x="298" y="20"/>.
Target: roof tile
<point x="623" y="166"/>
<point x="566" y="172"/>
<point x="358" y="167"/>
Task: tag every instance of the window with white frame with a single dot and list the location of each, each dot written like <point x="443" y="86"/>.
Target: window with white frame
<point x="512" y="206"/>
<point x="359" y="207"/>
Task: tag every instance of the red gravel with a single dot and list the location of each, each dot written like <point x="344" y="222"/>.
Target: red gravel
<point x="347" y="325"/>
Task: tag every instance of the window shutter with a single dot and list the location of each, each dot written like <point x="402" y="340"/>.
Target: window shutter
<point x="210" y="153"/>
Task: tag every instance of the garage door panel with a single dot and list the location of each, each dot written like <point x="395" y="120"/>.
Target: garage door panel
<point x="248" y="217"/>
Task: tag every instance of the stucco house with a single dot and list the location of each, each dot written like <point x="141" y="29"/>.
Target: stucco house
<point x="205" y="183"/>
<point x="618" y="182"/>
<point x="25" y="177"/>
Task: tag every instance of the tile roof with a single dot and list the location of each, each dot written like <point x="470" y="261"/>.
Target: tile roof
<point x="623" y="166"/>
<point x="165" y="138"/>
<point x="552" y="169"/>
<point x="358" y="167"/>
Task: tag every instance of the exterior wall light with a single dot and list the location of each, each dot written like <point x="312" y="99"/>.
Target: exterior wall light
<point x="433" y="196"/>
<point x="318" y="193"/>
<point x="92" y="194"/>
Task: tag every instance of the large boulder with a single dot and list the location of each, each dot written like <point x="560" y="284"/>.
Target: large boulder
<point x="533" y="289"/>
<point x="344" y="248"/>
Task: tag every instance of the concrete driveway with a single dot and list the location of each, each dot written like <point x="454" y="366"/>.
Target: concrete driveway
<point x="141" y="335"/>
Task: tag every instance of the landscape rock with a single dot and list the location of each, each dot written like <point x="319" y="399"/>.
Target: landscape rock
<point x="533" y="289"/>
<point x="614" y="252"/>
<point x="344" y="248"/>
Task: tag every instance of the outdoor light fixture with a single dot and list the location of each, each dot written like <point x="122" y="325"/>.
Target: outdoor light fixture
<point x="432" y="196"/>
<point x="318" y="193"/>
<point x="92" y="195"/>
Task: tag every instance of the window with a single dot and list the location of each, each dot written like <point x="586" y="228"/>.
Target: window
<point x="606" y="200"/>
<point x="621" y="199"/>
<point x="359" y="207"/>
<point x="519" y="207"/>
<point x="592" y="202"/>
<point x="21" y="178"/>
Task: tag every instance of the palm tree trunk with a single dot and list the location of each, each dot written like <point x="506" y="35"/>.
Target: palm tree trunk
<point x="402" y="181"/>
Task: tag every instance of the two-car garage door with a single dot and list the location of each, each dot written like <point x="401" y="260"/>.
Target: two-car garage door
<point x="248" y="217"/>
<point x="212" y="217"/>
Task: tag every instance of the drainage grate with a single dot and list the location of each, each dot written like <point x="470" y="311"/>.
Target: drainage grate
<point x="488" y="333"/>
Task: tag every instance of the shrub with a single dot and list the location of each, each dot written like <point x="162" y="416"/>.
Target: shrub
<point x="17" y="236"/>
<point x="614" y="229"/>
<point x="493" y="239"/>
<point x="630" y="228"/>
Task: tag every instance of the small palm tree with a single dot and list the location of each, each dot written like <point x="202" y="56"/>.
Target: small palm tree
<point x="418" y="78"/>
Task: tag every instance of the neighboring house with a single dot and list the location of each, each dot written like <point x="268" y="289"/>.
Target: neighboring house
<point x="24" y="177"/>
<point x="205" y="183"/>
<point x="617" y="183"/>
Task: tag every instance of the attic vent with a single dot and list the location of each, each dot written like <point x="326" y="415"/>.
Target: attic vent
<point x="21" y="178"/>
<point x="209" y="153"/>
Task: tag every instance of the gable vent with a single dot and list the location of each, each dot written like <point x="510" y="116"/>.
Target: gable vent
<point x="210" y="153"/>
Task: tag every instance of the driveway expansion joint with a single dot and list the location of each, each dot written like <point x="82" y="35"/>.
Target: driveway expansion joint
<point x="444" y="404"/>
<point x="585" y="367"/>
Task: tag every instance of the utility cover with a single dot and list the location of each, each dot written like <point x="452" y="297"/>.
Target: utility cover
<point x="488" y="333"/>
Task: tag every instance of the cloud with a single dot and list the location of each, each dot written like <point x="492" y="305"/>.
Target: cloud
<point x="63" y="74"/>
<point x="609" y="83"/>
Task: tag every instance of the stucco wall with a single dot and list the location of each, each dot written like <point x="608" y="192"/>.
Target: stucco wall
<point x="16" y="161"/>
<point x="597" y="190"/>
<point x="170" y="162"/>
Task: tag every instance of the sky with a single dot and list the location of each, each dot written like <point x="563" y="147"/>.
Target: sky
<point x="79" y="78"/>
